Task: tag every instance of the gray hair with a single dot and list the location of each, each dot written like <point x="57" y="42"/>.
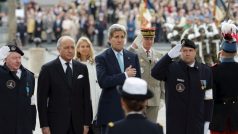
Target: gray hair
<point x="116" y="27"/>
<point x="59" y="42"/>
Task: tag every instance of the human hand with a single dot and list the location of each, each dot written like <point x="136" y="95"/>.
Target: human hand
<point x="175" y="51"/>
<point x="45" y="130"/>
<point x="131" y="72"/>
<point x="85" y="129"/>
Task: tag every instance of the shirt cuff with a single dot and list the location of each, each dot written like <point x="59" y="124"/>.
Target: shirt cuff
<point x="126" y="74"/>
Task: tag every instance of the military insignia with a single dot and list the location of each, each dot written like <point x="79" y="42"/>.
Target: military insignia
<point x="13" y="48"/>
<point x="180" y="80"/>
<point x="180" y="87"/>
<point x="141" y="60"/>
<point x="11" y="84"/>
<point x="142" y="70"/>
<point x="111" y="124"/>
<point x="203" y="84"/>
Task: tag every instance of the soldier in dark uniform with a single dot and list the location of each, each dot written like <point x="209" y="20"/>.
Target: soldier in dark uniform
<point x="18" y="112"/>
<point x="134" y="95"/>
<point x="225" y="74"/>
<point x="188" y="90"/>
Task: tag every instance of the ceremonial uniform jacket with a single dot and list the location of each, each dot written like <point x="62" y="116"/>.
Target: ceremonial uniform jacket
<point x="17" y="115"/>
<point x="225" y="96"/>
<point x="186" y="92"/>
<point x="134" y="124"/>
<point x="146" y="64"/>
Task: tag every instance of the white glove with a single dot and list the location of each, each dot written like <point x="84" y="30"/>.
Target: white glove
<point x="206" y="128"/>
<point x="175" y="51"/>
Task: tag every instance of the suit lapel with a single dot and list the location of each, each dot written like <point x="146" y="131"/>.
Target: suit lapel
<point x="112" y="59"/>
<point x="127" y="59"/>
<point x="75" y="71"/>
<point x="60" y="69"/>
<point x="143" y="55"/>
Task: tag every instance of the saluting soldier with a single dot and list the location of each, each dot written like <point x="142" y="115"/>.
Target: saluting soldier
<point x="134" y="95"/>
<point x="188" y="87"/>
<point x="18" y="111"/>
<point x="148" y="56"/>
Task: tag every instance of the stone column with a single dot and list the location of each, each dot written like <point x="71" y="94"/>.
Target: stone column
<point x="36" y="59"/>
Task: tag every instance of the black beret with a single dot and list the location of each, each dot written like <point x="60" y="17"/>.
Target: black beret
<point x="14" y="48"/>
<point x="188" y="43"/>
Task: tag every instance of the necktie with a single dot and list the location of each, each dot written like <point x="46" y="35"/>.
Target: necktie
<point x="120" y="61"/>
<point x="148" y="55"/>
<point x="69" y="74"/>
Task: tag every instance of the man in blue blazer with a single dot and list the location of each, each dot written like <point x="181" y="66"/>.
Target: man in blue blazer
<point x="113" y="66"/>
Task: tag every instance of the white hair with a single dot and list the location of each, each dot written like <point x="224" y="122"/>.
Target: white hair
<point x="59" y="42"/>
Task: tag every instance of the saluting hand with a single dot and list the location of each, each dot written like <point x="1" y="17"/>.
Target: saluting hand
<point x="175" y="51"/>
<point x="131" y="72"/>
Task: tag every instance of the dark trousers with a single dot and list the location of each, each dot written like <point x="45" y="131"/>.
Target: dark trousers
<point x="71" y="127"/>
<point x="103" y="129"/>
<point x="227" y="129"/>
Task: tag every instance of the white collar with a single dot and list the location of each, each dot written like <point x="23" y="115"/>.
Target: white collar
<point x="192" y="65"/>
<point x="63" y="61"/>
<point x="116" y="52"/>
<point x="134" y="112"/>
<point x="146" y="50"/>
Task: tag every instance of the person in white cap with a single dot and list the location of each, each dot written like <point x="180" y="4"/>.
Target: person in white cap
<point x="188" y="90"/>
<point x="18" y="111"/>
<point x="134" y="96"/>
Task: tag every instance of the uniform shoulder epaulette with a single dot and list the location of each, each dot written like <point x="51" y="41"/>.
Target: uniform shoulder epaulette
<point x="110" y="124"/>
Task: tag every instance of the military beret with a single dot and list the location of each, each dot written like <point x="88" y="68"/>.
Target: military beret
<point x="13" y="48"/>
<point x="148" y="32"/>
<point x="188" y="43"/>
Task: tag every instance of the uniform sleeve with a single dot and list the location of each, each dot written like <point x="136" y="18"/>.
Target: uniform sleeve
<point x="159" y="71"/>
<point x="208" y="99"/>
<point x="138" y="73"/>
<point x="33" y="106"/>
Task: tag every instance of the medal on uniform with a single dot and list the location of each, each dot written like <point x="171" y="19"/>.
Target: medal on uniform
<point x="203" y="84"/>
<point x="142" y="70"/>
<point x="180" y="87"/>
<point x="27" y="89"/>
<point x="11" y="84"/>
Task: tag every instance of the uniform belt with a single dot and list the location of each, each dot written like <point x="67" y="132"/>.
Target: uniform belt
<point x="228" y="100"/>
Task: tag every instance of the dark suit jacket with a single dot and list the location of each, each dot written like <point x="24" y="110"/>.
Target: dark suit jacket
<point x="58" y="103"/>
<point x="109" y="76"/>
<point x="135" y="124"/>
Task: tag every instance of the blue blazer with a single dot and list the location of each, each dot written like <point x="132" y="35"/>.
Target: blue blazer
<point x="109" y="77"/>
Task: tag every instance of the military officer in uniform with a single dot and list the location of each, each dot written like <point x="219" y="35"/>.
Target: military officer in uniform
<point x="134" y="95"/>
<point x="18" y="111"/>
<point x="148" y="57"/>
<point x="188" y="87"/>
<point x="225" y="75"/>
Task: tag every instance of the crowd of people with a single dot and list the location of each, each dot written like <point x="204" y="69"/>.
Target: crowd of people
<point x="92" y="18"/>
<point x="78" y="93"/>
<point x="122" y="89"/>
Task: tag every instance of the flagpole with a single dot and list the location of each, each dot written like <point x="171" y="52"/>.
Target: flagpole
<point x="227" y="11"/>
